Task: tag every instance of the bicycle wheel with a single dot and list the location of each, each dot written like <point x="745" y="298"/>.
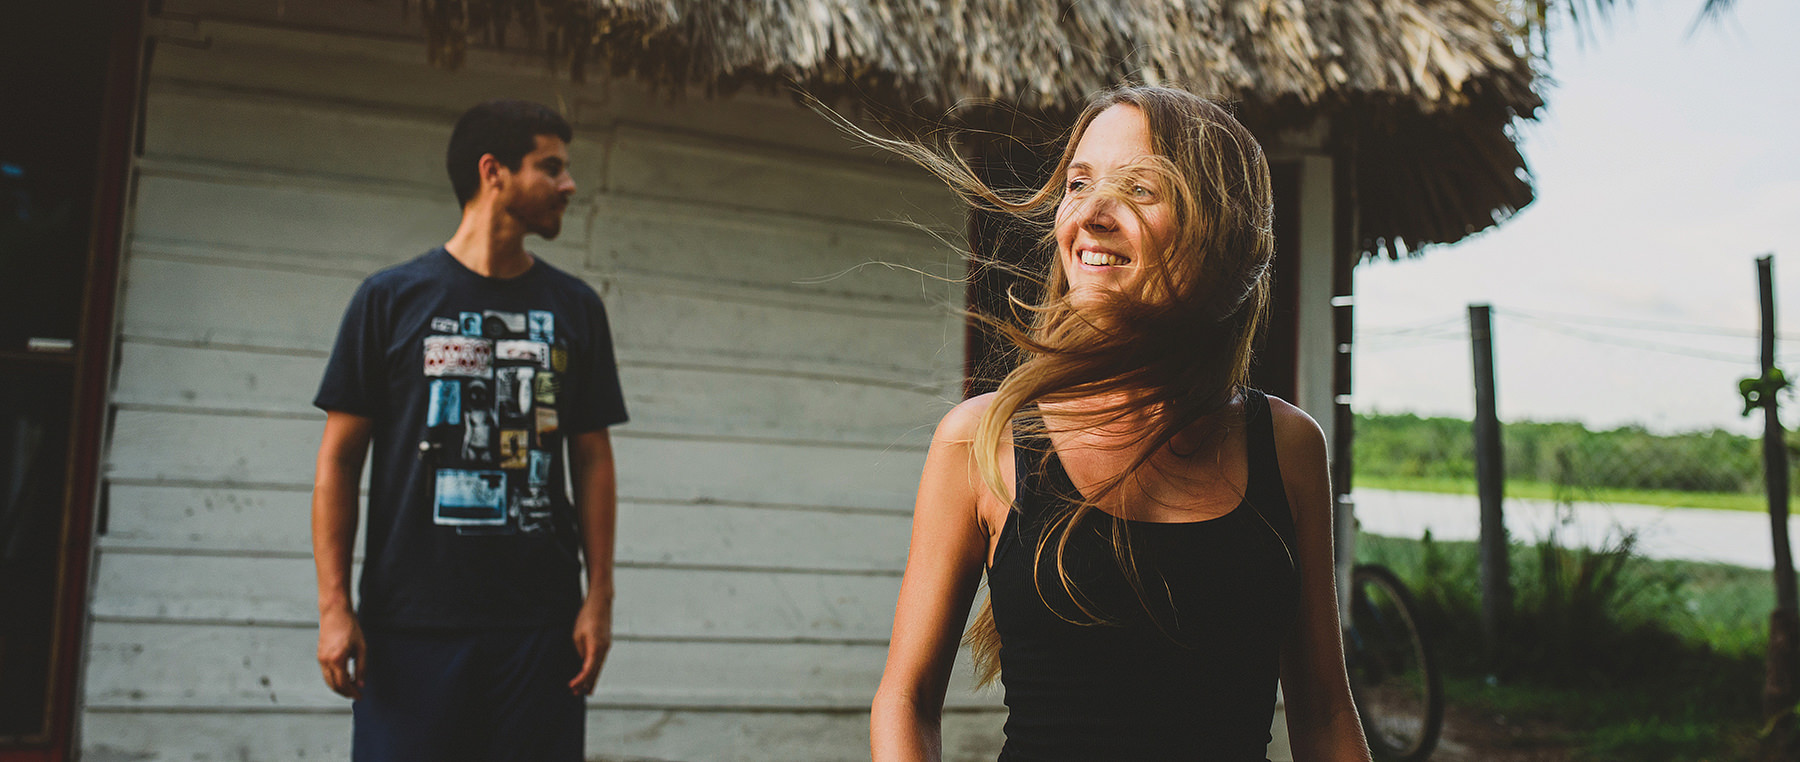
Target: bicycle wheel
<point x="1397" y="688"/>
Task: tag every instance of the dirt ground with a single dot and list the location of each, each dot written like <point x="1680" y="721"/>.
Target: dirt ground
<point x="1484" y="737"/>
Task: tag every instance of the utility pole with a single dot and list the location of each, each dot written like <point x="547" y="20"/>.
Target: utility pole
<point x="1490" y="476"/>
<point x="1781" y="689"/>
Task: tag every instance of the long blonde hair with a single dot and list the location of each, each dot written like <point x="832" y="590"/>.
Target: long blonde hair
<point x="1178" y="352"/>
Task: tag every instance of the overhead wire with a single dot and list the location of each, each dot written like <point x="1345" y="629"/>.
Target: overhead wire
<point x="1672" y="349"/>
<point x="1665" y="326"/>
<point x="1443" y="329"/>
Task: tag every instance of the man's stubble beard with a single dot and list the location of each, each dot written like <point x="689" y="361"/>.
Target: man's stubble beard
<point x="546" y="225"/>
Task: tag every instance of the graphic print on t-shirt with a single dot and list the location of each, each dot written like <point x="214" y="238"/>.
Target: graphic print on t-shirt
<point x="491" y="422"/>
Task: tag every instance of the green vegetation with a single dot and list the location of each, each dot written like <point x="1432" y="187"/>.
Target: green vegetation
<point x="1635" y="659"/>
<point x="1566" y="461"/>
<point x="1638" y="659"/>
<point x="1722" y="501"/>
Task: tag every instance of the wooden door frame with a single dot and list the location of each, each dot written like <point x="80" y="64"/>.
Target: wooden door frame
<point x="116" y="149"/>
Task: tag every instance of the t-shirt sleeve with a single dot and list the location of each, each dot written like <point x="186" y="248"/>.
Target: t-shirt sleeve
<point x="597" y="401"/>
<point x="355" y="376"/>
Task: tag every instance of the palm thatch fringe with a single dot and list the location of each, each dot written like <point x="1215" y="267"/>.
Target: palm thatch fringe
<point x="1428" y="88"/>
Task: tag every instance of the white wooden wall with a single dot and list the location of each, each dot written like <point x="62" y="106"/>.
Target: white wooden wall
<point x="778" y="415"/>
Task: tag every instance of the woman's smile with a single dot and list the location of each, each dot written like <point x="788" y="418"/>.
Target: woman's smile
<point x="1112" y="220"/>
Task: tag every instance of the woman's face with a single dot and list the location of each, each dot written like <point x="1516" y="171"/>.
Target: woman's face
<point x="1100" y="244"/>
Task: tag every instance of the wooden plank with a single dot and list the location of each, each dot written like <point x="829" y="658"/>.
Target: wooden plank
<point x="216" y="449"/>
<point x="613" y="735"/>
<point x="705" y="243"/>
<point x="307" y="137"/>
<point x="654" y="164"/>
<point x="687" y="324"/>
<point x="250" y="211"/>
<point x="695" y="401"/>
<point x="768" y="472"/>
<point x="198" y="129"/>
<point x="225" y="450"/>
<point x="214" y="303"/>
<point x="144" y="667"/>
<point x="208" y="518"/>
<point x="1279" y="748"/>
<point x="239" y="589"/>
<point x="385" y="148"/>
<point x="651" y="603"/>
<point x="762" y="537"/>
<point x="216" y="378"/>
<point x="705" y="402"/>
<point x="350" y="71"/>
<point x="108" y="736"/>
<point x="389" y="71"/>
<point x="182" y="518"/>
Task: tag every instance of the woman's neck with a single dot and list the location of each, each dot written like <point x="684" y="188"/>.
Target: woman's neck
<point x="1122" y="419"/>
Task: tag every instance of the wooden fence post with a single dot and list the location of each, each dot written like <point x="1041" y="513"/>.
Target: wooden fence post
<point x="1490" y="477"/>
<point x="1781" y="689"/>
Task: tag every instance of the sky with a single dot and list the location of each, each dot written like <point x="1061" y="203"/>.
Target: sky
<point x="1665" y="164"/>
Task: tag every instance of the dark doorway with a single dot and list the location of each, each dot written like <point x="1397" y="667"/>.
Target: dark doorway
<point x="1010" y="257"/>
<point x="1276" y="367"/>
<point x="61" y="171"/>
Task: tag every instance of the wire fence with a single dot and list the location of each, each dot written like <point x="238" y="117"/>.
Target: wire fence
<point x="1657" y="336"/>
<point x="1568" y="461"/>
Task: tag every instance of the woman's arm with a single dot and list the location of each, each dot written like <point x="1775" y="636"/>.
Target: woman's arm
<point x="943" y="568"/>
<point x="1321" y="720"/>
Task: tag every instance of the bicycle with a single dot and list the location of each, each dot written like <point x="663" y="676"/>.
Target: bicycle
<point x="1393" y="678"/>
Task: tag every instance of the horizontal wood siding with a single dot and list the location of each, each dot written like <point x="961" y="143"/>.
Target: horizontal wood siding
<point x="787" y="339"/>
<point x="613" y="735"/>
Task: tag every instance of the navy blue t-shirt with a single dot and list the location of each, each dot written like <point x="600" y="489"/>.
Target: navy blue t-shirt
<point x="472" y="383"/>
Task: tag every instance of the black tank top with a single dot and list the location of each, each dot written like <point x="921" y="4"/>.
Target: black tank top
<point x="1187" y="672"/>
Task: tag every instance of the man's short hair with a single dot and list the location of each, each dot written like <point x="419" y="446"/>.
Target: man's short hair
<point x="506" y="128"/>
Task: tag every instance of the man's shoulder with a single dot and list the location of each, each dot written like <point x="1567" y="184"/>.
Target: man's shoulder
<point x="563" y="279"/>
<point x="420" y="268"/>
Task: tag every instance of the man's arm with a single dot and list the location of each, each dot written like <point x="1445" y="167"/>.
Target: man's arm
<point x="334" y="519"/>
<point x="596" y="502"/>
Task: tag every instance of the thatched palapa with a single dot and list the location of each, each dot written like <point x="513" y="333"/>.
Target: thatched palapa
<point x="1420" y="94"/>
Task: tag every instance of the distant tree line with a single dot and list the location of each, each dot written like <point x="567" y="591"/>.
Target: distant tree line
<point x="1408" y="446"/>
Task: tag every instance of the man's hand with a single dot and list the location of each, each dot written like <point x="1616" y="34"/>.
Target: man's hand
<point x="334" y="516"/>
<point x="343" y="656"/>
<point x="596" y="500"/>
<point x="593" y="638"/>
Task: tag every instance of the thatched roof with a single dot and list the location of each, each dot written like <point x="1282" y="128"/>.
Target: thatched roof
<point x="1423" y="93"/>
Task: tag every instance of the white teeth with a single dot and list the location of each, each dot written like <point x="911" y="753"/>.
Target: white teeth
<point x="1102" y="258"/>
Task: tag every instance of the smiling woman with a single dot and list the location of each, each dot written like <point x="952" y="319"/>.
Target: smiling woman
<point x="1112" y="220"/>
<point x="1152" y="571"/>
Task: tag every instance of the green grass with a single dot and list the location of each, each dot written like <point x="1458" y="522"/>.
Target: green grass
<point x="1610" y="725"/>
<point x="1634" y="659"/>
<point x="1723" y="501"/>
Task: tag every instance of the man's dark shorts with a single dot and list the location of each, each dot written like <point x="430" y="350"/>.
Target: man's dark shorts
<point x="470" y="695"/>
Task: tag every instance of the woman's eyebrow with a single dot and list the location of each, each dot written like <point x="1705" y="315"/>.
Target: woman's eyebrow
<point x="1080" y="165"/>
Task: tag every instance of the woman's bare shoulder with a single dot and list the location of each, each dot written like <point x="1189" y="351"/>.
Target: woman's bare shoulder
<point x="1299" y="442"/>
<point x="958" y="426"/>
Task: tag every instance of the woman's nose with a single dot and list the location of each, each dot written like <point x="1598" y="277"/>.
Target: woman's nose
<point x="1100" y="215"/>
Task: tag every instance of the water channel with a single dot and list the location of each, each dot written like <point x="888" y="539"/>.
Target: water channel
<point x="1693" y="534"/>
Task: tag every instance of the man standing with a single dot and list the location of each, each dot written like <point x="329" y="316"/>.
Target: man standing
<point x="468" y="368"/>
